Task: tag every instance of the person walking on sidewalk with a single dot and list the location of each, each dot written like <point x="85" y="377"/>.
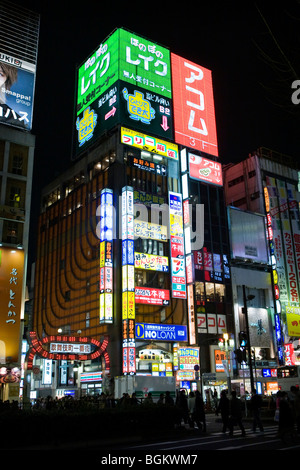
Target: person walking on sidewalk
<point x="255" y="407"/>
<point x="223" y="408"/>
<point x="235" y="416"/>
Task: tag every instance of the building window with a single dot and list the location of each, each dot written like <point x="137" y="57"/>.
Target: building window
<point x="235" y="181"/>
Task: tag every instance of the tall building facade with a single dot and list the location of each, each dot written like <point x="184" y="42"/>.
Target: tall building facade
<point x="18" y="55"/>
<point x="263" y="204"/>
<point x="132" y="272"/>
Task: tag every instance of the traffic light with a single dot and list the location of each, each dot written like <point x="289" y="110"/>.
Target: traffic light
<point x="240" y="355"/>
<point x="243" y="338"/>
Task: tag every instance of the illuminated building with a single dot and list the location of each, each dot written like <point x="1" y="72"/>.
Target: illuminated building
<point x="115" y="261"/>
<point x="17" y="144"/>
<point x="262" y="198"/>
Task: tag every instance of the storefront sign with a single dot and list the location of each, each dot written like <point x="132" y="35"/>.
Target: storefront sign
<point x="202" y="169"/>
<point x="151" y="262"/>
<point x="152" y="296"/>
<point x="161" y="332"/>
<point x="178" y="273"/>
<point x="70" y="348"/>
<point x="149" y="230"/>
<point x="106" y="257"/>
<point x="149" y="143"/>
<point x="188" y="358"/>
<point x="128" y="282"/>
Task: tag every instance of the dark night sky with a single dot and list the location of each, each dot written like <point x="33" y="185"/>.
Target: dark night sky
<point x="251" y="48"/>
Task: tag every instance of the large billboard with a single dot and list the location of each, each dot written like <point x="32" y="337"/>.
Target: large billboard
<point x="17" y="81"/>
<point x="193" y="106"/>
<point x="136" y="82"/>
<point x="248" y="236"/>
<point x="126" y="79"/>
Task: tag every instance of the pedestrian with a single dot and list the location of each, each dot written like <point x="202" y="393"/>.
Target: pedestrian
<point x="168" y="399"/>
<point x="286" y="420"/>
<point x="148" y="400"/>
<point x="223" y="408"/>
<point x="199" y="412"/>
<point x="235" y="414"/>
<point x="295" y="402"/>
<point x="134" y="400"/>
<point x="161" y="400"/>
<point x="183" y="406"/>
<point x="191" y="409"/>
<point x="255" y="407"/>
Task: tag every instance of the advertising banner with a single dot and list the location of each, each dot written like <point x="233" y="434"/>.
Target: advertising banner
<point x="149" y="143"/>
<point x="188" y="358"/>
<point x="17" y="82"/>
<point x="291" y="274"/>
<point x="127" y="78"/>
<point x="160" y="332"/>
<point x="178" y="272"/>
<point x="276" y="238"/>
<point x="202" y="169"/>
<point x="193" y="105"/>
<point x="151" y="262"/>
<point x="152" y="296"/>
<point x="11" y="282"/>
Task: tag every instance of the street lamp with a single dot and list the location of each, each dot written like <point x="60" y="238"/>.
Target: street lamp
<point x="227" y="344"/>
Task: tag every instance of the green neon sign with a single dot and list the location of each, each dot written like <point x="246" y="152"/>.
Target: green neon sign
<point x="128" y="57"/>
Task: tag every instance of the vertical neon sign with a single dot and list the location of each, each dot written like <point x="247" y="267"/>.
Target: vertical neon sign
<point x="128" y="284"/>
<point x="177" y="246"/>
<point x="106" y="257"/>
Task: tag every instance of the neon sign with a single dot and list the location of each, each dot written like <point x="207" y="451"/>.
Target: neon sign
<point x="106" y="257"/>
<point x="193" y="102"/>
<point x="205" y="170"/>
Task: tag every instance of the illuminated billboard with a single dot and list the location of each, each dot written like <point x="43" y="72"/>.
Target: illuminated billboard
<point x="178" y="272"/>
<point x="248" y="236"/>
<point x="193" y="106"/>
<point x="127" y="78"/>
<point x="160" y="332"/>
<point x="149" y="143"/>
<point x="281" y="202"/>
<point x="17" y="81"/>
<point x="152" y="296"/>
<point x="11" y="284"/>
<point x="205" y="170"/>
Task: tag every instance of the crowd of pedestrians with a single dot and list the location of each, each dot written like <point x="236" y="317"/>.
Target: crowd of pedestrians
<point x="190" y="408"/>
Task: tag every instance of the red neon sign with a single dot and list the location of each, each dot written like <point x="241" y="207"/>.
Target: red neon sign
<point x="205" y="170"/>
<point x="152" y="296"/>
<point x="193" y="104"/>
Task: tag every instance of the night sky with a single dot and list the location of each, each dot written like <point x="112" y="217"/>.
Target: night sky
<point x="251" y="48"/>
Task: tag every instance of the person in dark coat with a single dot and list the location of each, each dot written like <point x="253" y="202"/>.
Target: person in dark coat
<point x="235" y="415"/>
<point x="183" y="406"/>
<point x="199" y="412"/>
<point x="286" y="419"/>
<point x="223" y="408"/>
<point x="255" y="406"/>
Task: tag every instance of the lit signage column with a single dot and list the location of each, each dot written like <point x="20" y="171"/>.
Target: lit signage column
<point x="278" y="274"/>
<point x="178" y="279"/>
<point x="188" y="248"/>
<point x="106" y="256"/>
<point x="128" y="283"/>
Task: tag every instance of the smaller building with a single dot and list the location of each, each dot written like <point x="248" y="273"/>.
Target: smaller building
<point x="262" y="198"/>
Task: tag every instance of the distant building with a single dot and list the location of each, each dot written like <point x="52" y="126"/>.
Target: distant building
<point x="19" y="31"/>
<point x="262" y="191"/>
